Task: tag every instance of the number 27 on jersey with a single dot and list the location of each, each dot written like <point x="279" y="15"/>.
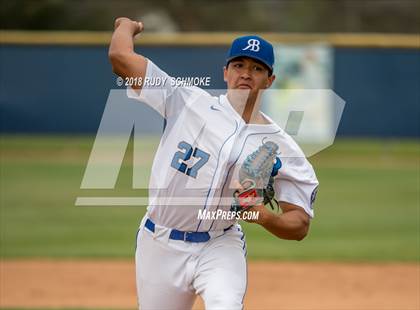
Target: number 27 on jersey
<point x="186" y="151"/>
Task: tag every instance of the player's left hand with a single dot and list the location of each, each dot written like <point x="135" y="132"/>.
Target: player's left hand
<point x="260" y="210"/>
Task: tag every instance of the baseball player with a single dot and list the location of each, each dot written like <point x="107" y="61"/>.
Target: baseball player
<point x="211" y="157"/>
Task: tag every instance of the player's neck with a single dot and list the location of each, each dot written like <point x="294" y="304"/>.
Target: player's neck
<point x="248" y="107"/>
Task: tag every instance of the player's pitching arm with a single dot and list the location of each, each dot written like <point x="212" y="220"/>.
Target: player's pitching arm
<point x="125" y="62"/>
<point x="292" y="224"/>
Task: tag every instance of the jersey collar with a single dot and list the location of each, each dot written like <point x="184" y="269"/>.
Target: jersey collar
<point x="230" y="109"/>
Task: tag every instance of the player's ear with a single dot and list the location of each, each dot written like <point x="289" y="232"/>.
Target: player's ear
<point x="225" y="73"/>
<point x="271" y="80"/>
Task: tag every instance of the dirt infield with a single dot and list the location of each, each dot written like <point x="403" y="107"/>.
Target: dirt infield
<point x="291" y="286"/>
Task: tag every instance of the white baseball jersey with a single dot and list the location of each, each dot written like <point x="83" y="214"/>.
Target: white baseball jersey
<point x="202" y="148"/>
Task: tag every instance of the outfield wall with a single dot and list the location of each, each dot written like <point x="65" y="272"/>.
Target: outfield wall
<point x="59" y="82"/>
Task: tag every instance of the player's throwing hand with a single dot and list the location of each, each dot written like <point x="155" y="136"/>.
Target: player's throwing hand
<point x="138" y="26"/>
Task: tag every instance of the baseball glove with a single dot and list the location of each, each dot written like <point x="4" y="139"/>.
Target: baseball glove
<point x="256" y="178"/>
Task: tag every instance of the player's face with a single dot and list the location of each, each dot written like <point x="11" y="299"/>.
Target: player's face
<point x="247" y="73"/>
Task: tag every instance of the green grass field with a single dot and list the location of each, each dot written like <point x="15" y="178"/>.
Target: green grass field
<point x="367" y="207"/>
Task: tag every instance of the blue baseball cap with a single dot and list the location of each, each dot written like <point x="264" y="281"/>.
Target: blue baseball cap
<point x="254" y="47"/>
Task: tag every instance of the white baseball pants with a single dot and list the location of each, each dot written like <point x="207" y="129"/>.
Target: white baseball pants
<point x="170" y="273"/>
